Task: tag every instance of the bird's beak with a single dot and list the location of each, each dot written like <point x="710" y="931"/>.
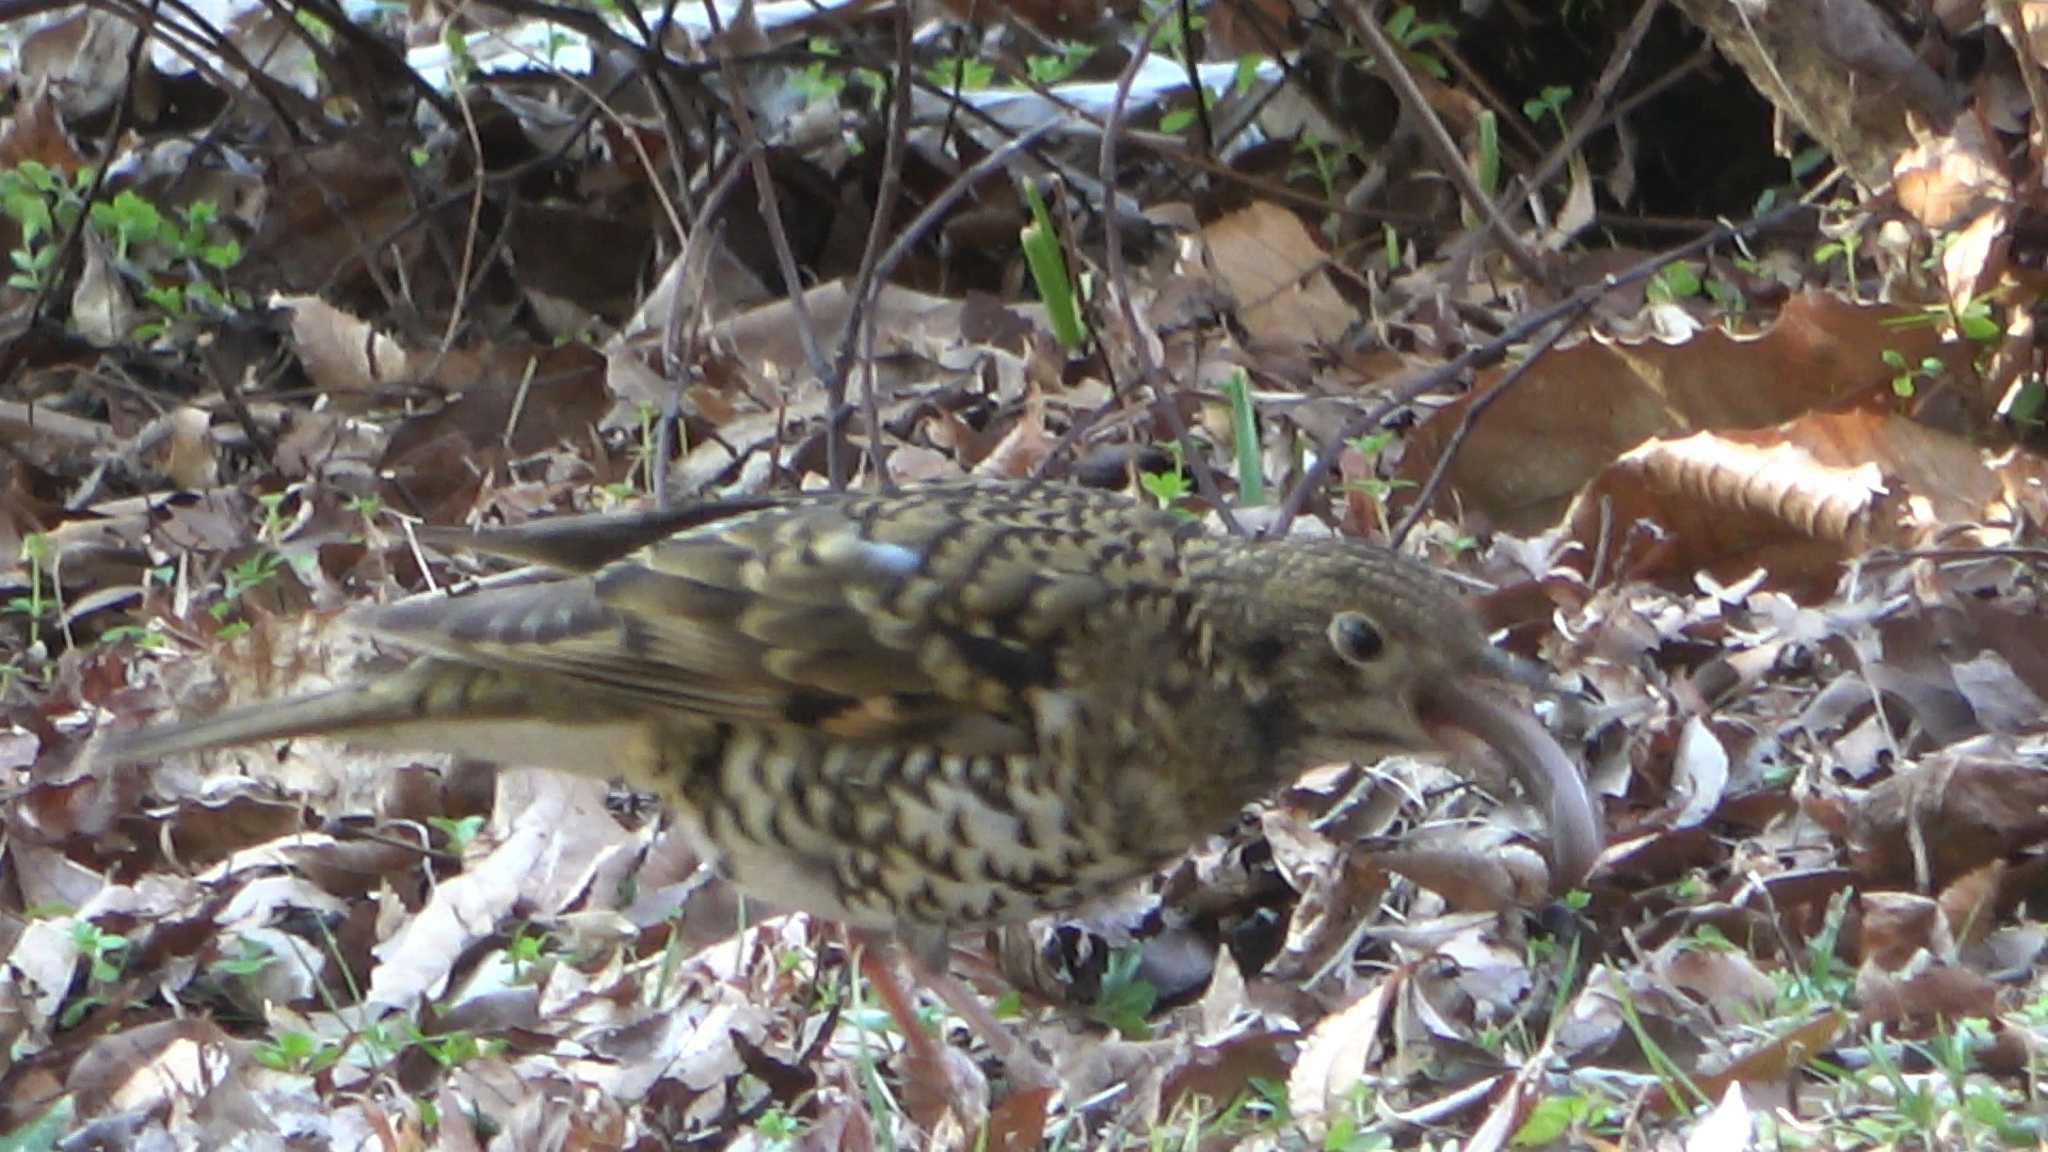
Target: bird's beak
<point x="1575" y="834"/>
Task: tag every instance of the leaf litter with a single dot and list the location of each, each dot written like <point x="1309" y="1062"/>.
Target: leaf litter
<point x="1770" y="516"/>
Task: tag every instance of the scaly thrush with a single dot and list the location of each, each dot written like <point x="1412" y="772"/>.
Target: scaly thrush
<point x="945" y="708"/>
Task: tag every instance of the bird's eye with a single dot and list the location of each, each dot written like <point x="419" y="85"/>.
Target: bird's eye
<point x="1356" y="638"/>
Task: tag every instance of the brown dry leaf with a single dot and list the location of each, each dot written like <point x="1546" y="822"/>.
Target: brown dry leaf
<point x="1963" y="666"/>
<point x="1898" y="926"/>
<point x="1952" y="176"/>
<point x="189" y="458"/>
<point x="1470" y="880"/>
<point x="1270" y="262"/>
<point x="1335" y="890"/>
<point x="82" y="60"/>
<point x="342" y="354"/>
<point x="1769" y="1067"/>
<point x="1337" y="1052"/>
<point x="1969" y="907"/>
<point x="1727" y="983"/>
<point x="151" y="1066"/>
<point x="36" y="132"/>
<point x="1975" y="259"/>
<point x="1925" y="999"/>
<point x="1800" y="498"/>
<point x="1699" y="773"/>
<point x="101" y="308"/>
<point x="1214" y="1074"/>
<point x="1966" y="808"/>
<point x="1585" y="405"/>
<point x="324" y="208"/>
<point x="1023" y="448"/>
<point x="551" y="833"/>
<point x="511" y="401"/>
<point x="1017" y="1122"/>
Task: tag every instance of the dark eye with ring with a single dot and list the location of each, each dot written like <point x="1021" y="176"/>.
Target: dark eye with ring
<point x="1355" y="637"/>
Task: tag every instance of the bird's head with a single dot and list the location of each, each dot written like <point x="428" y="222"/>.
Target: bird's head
<point x="1352" y="651"/>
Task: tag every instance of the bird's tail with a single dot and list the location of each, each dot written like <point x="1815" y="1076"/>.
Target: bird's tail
<point x="432" y="706"/>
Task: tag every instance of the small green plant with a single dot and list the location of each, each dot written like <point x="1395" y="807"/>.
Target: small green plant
<point x="1904" y="378"/>
<point x="1556" y="1117"/>
<point x="460" y="833"/>
<point x="1041" y="242"/>
<point x="1126" y="1000"/>
<point x="252" y="958"/>
<point x="1352" y="1130"/>
<point x="454" y="1049"/>
<point x="1727" y="295"/>
<point x="1244" y="431"/>
<point x="239" y="581"/>
<point x="1058" y="66"/>
<point x="105" y="954"/>
<point x="779" y="1129"/>
<point x="1550" y="102"/>
<point x="30" y="663"/>
<point x="461" y="61"/>
<point x="38" y="553"/>
<point x="961" y="74"/>
<point x="1488" y="168"/>
<point x="45" y="205"/>
<point x="1843" y="249"/>
<point x="823" y="80"/>
<point x="1246" y="74"/>
<point x="148" y="637"/>
<point x="1412" y="35"/>
<point x="1673" y="282"/>
<point x="1170" y="486"/>
<point x="301" y="1053"/>
<point x="1172" y="37"/>
<point x="1374" y="488"/>
<point x="1321" y="162"/>
<point x="1822" y="980"/>
<point x="1177" y="120"/>
<point x="171" y="259"/>
<point x="526" y="951"/>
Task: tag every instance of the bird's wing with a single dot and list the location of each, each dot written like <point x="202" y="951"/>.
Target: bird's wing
<point x="937" y="617"/>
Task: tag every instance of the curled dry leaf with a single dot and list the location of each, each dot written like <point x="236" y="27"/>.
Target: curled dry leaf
<point x="1800" y="498"/>
<point x="1771" y="1066"/>
<point x="1337" y="1053"/>
<point x="1472" y="880"/>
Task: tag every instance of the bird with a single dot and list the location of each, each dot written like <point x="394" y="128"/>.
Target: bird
<point x="942" y="708"/>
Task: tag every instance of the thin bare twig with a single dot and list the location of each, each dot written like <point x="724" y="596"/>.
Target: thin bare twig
<point x="1473" y="411"/>
<point x="1118" y="282"/>
<point x="1387" y="59"/>
<point x="778" y="239"/>
<point x="867" y="286"/>
<point x="1479" y="356"/>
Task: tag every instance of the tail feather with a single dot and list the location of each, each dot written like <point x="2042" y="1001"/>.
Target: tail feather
<point x="432" y="706"/>
<point x="337" y="712"/>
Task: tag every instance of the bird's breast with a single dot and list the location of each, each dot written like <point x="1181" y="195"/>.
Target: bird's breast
<point x="887" y="838"/>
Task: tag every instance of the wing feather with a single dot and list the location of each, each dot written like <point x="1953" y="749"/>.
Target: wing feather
<point x="932" y="619"/>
